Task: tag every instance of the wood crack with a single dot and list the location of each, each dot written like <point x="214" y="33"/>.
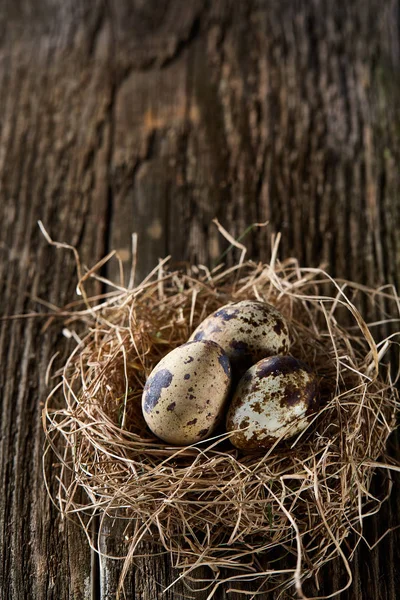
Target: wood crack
<point x="183" y="43"/>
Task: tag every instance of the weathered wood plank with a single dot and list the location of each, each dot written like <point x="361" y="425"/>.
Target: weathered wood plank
<point x="155" y="117"/>
<point x="275" y="111"/>
<point x="53" y="164"/>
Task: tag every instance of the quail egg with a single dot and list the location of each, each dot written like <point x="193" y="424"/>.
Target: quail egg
<point x="248" y="331"/>
<point x="185" y="394"/>
<point x="272" y="402"/>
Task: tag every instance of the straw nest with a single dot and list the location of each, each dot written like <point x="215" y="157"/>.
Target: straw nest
<point x="272" y="518"/>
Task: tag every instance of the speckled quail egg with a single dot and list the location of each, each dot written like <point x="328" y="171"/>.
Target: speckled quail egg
<point x="184" y="396"/>
<point x="248" y="331"/>
<point x="273" y="400"/>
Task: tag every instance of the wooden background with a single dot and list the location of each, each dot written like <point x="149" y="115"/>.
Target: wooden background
<point x="155" y="116"/>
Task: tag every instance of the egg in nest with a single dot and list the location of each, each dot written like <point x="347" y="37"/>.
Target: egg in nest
<point x="185" y="394"/>
<point x="272" y="402"/>
<point x="247" y="330"/>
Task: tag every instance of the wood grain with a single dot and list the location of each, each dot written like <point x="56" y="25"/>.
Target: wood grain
<point x="155" y="117"/>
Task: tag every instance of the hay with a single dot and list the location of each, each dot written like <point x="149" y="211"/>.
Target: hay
<point x="209" y="504"/>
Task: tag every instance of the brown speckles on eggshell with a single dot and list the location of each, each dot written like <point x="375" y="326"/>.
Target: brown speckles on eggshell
<point x="278" y="327"/>
<point x="182" y="417"/>
<point x="247" y="330"/>
<point x="244" y="423"/>
<point x="280" y="365"/>
<point x="256" y="406"/>
<point x="275" y="397"/>
<point x="291" y="396"/>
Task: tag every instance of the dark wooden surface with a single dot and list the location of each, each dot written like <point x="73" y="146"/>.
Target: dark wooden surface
<point x="155" y="116"/>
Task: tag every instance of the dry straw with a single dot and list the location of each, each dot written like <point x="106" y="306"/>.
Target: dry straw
<point x="272" y="519"/>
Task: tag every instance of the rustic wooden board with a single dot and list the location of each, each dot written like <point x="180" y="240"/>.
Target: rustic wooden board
<point x="156" y="117"/>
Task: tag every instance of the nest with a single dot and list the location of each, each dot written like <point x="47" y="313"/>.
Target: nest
<point x="273" y="518"/>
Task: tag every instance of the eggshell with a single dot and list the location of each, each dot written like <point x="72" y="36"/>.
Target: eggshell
<point x="248" y="331"/>
<point x="272" y="401"/>
<point x="184" y="396"/>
